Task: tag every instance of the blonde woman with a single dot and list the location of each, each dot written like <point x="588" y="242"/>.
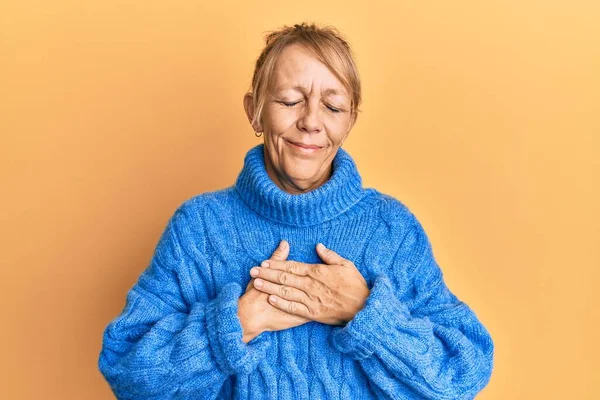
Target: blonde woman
<point x="296" y="282"/>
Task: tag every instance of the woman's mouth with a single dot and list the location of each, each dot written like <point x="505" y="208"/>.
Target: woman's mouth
<point x="303" y="148"/>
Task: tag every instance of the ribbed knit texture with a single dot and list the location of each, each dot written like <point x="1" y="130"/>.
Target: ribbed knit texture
<point x="179" y="336"/>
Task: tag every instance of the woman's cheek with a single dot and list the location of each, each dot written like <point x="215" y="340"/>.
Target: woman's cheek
<point x="284" y="124"/>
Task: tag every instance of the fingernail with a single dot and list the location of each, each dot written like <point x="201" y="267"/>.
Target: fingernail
<point x="273" y="299"/>
<point x="265" y="264"/>
<point x="283" y="244"/>
<point x="320" y="246"/>
<point x="258" y="283"/>
<point x="254" y="272"/>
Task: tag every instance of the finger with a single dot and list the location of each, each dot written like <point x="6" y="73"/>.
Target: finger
<point x="282" y="251"/>
<point x="330" y="256"/>
<point x="282" y="278"/>
<point x="290" y="307"/>
<point x="283" y="291"/>
<point x="289" y="266"/>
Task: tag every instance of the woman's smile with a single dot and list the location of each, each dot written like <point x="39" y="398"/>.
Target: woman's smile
<point x="302" y="149"/>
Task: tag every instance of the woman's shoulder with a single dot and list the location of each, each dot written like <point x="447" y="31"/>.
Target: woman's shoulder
<point x="199" y="201"/>
<point x="200" y="206"/>
<point x="394" y="211"/>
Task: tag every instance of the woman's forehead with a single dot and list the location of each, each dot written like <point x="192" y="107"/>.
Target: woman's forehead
<point x="297" y="69"/>
<point x="328" y="87"/>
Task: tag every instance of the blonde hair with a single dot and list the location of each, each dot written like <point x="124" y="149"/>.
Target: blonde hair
<point x="328" y="46"/>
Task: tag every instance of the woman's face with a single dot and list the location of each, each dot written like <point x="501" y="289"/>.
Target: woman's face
<point x="305" y="105"/>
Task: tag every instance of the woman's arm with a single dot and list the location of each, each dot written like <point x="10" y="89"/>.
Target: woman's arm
<point x="163" y="346"/>
<point x="421" y="341"/>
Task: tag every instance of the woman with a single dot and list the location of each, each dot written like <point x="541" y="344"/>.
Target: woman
<point x="365" y="316"/>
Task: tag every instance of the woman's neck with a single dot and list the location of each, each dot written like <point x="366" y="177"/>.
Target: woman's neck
<point x="336" y="195"/>
<point x="289" y="185"/>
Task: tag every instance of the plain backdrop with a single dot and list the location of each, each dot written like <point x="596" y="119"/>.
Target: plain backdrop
<point x="483" y="117"/>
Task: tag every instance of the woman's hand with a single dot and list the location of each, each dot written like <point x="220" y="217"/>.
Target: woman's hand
<point x="330" y="293"/>
<point x="257" y="315"/>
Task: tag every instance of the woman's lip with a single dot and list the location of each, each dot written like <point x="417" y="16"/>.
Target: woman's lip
<point x="304" y="146"/>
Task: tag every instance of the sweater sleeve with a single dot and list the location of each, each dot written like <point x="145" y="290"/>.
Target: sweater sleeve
<point x="419" y="341"/>
<point x="164" y="346"/>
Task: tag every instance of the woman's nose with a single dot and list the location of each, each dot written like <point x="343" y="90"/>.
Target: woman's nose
<point x="310" y="120"/>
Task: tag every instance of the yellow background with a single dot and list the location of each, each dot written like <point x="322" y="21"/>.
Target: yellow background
<point x="482" y="116"/>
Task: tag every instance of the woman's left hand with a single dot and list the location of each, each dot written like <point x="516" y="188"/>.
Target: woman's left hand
<point x="331" y="293"/>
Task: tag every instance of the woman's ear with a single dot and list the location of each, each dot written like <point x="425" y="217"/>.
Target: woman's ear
<point x="249" y="108"/>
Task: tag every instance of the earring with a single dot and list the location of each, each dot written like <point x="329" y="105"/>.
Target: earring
<point x="258" y="134"/>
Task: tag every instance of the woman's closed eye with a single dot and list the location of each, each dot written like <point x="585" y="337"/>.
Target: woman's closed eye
<point x="289" y="104"/>
<point x="292" y="104"/>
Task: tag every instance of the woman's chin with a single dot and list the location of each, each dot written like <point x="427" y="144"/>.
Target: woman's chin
<point x="306" y="181"/>
<point x="309" y="173"/>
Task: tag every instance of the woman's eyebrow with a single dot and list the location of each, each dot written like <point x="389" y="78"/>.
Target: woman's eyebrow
<point x="327" y="92"/>
<point x="300" y="88"/>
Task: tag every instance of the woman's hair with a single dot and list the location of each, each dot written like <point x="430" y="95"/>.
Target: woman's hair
<point x="328" y="46"/>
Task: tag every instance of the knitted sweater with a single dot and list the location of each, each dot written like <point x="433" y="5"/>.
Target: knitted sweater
<point x="179" y="336"/>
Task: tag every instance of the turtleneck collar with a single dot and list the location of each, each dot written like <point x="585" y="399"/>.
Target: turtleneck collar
<point x="334" y="197"/>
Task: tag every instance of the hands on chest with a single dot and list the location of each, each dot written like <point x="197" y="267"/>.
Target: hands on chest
<point x="286" y="293"/>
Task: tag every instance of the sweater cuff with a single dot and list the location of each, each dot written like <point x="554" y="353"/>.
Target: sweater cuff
<point x="367" y="330"/>
<point x="225" y="334"/>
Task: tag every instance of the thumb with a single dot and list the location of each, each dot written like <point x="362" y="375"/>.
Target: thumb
<point x="282" y="251"/>
<point x="329" y="256"/>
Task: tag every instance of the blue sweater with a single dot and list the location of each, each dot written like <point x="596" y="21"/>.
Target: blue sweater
<point x="179" y="337"/>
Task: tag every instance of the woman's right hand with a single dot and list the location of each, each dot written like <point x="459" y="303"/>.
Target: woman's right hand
<point x="255" y="312"/>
